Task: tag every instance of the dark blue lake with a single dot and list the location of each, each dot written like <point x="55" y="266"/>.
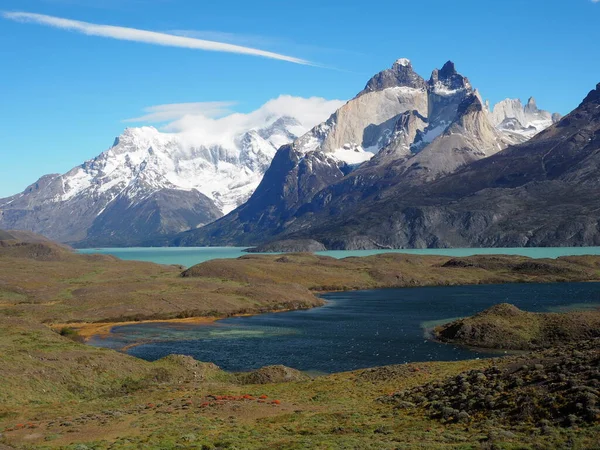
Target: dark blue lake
<point x="354" y="330"/>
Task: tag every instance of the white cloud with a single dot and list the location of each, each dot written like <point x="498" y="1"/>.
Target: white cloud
<point x="148" y="37"/>
<point x="174" y="111"/>
<point x="233" y="38"/>
<point x="197" y="124"/>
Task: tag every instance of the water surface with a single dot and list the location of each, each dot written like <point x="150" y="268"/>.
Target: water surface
<point x="189" y="256"/>
<point x="354" y="330"/>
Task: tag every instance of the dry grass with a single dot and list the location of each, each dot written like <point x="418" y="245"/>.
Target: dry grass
<point x="58" y="393"/>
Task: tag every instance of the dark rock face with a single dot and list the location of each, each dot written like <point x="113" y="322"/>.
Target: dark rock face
<point x="163" y="212"/>
<point x="401" y="74"/>
<point x="447" y="89"/>
<point x="449" y="77"/>
<point x="35" y="209"/>
<point x="291" y="181"/>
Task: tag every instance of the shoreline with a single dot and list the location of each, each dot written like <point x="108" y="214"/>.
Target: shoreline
<point x="88" y="330"/>
<point x="102" y="330"/>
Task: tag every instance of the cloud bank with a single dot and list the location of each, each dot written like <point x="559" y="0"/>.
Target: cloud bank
<point x="197" y="125"/>
<point x="144" y="36"/>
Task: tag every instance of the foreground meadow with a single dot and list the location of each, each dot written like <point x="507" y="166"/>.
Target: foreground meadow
<point x="57" y="392"/>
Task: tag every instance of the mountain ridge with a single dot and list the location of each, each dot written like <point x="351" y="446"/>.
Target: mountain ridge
<point x="151" y="183"/>
<point x="431" y="134"/>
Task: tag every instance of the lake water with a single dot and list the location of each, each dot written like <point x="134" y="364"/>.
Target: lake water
<point x="188" y="256"/>
<point x="354" y="330"/>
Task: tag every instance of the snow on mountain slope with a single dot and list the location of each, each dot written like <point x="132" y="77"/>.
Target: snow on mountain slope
<point x="400" y="130"/>
<point x="518" y="122"/>
<point x="218" y="162"/>
<point x="364" y="125"/>
<point x="223" y="159"/>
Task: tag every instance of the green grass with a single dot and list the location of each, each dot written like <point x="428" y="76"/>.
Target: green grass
<point x="58" y="393"/>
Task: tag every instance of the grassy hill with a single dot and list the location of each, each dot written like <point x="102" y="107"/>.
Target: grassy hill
<point x="56" y="392"/>
<point x="506" y="327"/>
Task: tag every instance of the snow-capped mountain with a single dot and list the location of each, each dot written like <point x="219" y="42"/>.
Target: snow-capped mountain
<point x="152" y="183"/>
<point x="520" y="123"/>
<point x="399" y="130"/>
<point x="397" y="98"/>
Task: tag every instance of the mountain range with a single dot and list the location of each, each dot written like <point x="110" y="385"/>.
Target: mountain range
<point x="452" y="173"/>
<point x="408" y="162"/>
<point x="151" y="183"/>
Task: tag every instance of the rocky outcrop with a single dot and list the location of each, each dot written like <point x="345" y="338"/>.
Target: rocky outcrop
<point x="469" y="137"/>
<point x="366" y="122"/>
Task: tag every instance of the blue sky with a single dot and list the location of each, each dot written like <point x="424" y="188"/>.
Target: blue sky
<point x="65" y="95"/>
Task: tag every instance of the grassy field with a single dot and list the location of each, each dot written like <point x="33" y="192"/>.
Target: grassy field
<point x="56" y="392"/>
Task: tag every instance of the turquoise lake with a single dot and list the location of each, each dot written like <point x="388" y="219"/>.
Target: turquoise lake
<point x="354" y="329"/>
<point x="188" y="256"/>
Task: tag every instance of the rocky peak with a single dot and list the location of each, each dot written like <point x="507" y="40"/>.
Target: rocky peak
<point x="401" y="74"/>
<point x="280" y="131"/>
<point x="593" y="96"/>
<point x="448" y="79"/>
<point x="402" y="62"/>
<point x="531" y="106"/>
<point x="448" y="70"/>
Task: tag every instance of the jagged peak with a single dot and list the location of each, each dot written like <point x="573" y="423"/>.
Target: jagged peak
<point x="448" y="70"/>
<point x="137" y="134"/>
<point x="447" y="79"/>
<point x="402" y="62"/>
<point x="401" y="74"/>
<point x="509" y="101"/>
<point x="531" y="105"/>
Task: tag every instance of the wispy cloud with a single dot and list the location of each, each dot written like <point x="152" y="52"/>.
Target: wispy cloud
<point x="174" y="111"/>
<point x="148" y="37"/>
<point x="231" y="38"/>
